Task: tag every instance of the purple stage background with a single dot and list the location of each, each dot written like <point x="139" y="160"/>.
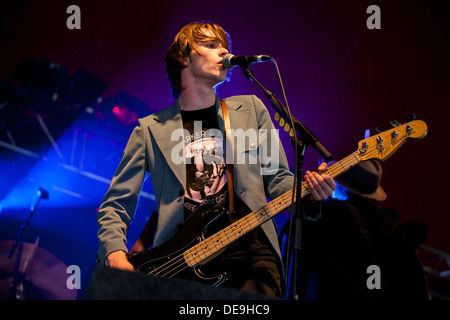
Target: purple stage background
<point x="340" y="79"/>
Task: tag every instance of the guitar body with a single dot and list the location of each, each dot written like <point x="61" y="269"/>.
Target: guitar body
<point x="166" y="260"/>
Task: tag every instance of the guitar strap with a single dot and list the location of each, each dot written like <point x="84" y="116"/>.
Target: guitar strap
<point x="229" y="147"/>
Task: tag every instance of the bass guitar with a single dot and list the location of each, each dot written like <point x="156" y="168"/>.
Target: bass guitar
<point x="189" y="252"/>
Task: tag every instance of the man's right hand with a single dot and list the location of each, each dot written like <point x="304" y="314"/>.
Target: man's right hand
<point x="118" y="260"/>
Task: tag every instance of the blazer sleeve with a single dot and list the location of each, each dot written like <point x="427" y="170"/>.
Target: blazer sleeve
<point x="119" y="203"/>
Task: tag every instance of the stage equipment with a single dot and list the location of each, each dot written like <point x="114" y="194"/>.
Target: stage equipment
<point x="16" y="250"/>
<point x="123" y="109"/>
<point x="83" y="90"/>
<point x="40" y="274"/>
<point x="112" y="284"/>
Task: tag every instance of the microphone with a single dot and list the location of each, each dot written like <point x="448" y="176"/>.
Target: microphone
<point x="230" y="61"/>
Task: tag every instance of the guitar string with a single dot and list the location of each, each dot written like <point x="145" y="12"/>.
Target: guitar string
<point x="333" y="170"/>
<point x="173" y="265"/>
<point x="221" y="236"/>
<point x="174" y="268"/>
<point x="179" y="261"/>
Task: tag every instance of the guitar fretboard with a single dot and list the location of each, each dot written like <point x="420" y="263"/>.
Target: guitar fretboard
<point x="210" y="247"/>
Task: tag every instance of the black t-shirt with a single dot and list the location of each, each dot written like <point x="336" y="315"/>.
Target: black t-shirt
<point x="206" y="178"/>
<point x="207" y="187"/>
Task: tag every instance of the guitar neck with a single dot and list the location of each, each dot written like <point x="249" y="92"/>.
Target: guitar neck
<point x="210" y="247"/>
<point x="381" y="146"/>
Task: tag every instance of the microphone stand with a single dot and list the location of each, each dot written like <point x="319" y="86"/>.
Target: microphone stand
<point x="18" y="244"/>
<point x="305" y="138"/>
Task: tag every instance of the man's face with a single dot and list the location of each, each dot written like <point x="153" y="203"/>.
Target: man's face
<point x="206" y="64"/>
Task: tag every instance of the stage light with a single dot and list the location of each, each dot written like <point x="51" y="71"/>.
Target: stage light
<point x="36" y="83"/>
<point x="83" y="90"/>
<point x="40" y="74"/>
<point x="123" y="109"/>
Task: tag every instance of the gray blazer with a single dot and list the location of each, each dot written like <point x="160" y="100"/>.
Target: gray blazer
<point x="149" y="150"/>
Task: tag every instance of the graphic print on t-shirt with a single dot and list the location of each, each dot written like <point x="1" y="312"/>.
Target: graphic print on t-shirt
<point x="205" y="173"/>
<point x="206" y="176"/>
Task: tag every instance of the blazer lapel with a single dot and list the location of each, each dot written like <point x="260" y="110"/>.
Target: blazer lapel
<point x="164" y="123"/>
<point x="239" y="118"/>
<point x="239" y="114"/>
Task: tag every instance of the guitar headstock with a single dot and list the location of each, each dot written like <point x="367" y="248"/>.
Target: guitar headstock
<point x="382" y="145"/>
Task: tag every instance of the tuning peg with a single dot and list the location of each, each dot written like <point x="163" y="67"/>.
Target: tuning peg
<point x="410" y="117"/>
<point x="277" y="116"/>
<point x="287" y="127"/>
<point x="291" y="133"/>
<point x="380" y="129"/>
<point x="367" y="134"/>
<point x="395" y="123"/>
